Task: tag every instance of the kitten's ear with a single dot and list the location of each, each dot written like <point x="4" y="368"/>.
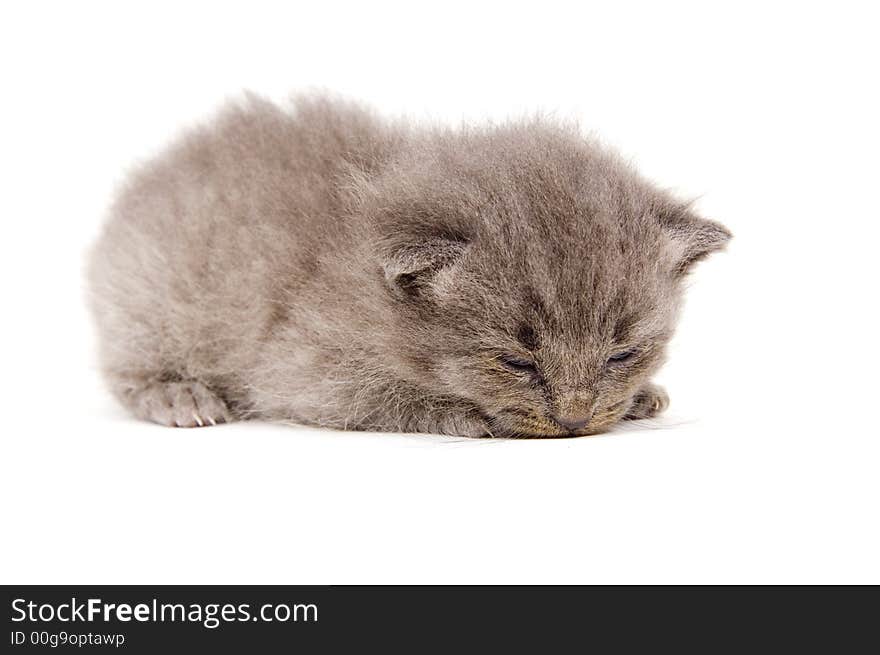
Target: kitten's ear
<point x="411" y="268"/>
<point x="693" y="238"/>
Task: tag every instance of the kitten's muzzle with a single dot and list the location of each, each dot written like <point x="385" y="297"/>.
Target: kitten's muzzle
<point x="573" y="423"/>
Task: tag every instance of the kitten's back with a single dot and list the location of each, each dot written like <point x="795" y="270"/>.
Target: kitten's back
<point x="189" y="271"/>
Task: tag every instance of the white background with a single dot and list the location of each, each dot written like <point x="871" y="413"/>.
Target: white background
<point x="764" y="470"/>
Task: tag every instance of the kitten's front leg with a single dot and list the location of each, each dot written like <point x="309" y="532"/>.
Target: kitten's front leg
<point x="461" y="424"/>
<point x="447" y="420"/>
<point x="650" y="401"/>
<point x="421" y="415"/>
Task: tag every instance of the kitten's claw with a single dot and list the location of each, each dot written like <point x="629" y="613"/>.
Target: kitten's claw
<point x="178" y="404"/>
<point x="650" y="401"/>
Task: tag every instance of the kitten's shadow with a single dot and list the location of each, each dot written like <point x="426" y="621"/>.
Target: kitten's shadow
<point x="622" y="428"/>
<point x="657" y="423"/>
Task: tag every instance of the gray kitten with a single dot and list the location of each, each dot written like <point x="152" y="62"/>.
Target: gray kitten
<point x="322" y="266"/>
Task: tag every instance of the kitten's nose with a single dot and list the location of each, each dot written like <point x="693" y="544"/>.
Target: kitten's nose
<point x="573" y="423"/>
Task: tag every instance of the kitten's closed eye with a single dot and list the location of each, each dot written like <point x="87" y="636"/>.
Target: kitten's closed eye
<point x="622" y="357"/>
<point x="519" y="365"/>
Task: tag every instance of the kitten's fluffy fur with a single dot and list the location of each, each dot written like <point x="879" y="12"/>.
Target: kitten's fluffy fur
<point x="322" y="266"/>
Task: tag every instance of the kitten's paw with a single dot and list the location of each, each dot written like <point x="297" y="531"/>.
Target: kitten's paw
<point x="650" y="401"/>
<point x="187" y="404"/>
<point x="463" y="426"/>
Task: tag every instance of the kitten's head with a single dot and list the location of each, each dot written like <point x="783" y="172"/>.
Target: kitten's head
<point x="531" y="275"/>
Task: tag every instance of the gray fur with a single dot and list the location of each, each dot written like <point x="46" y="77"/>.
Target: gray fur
<point x="322" y="266"/>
